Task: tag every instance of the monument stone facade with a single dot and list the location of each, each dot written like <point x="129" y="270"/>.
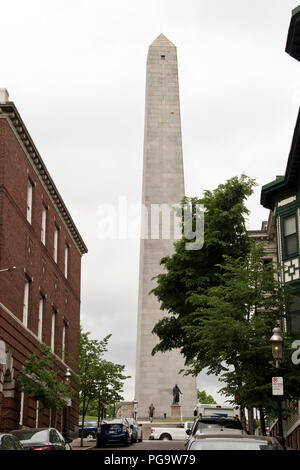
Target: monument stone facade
<point x="163" y="183"/>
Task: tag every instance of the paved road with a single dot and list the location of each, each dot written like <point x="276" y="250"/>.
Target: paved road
<point x="145" y="445"/>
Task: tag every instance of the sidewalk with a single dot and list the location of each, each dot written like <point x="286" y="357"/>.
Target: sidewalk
<point x="87" y="444"/>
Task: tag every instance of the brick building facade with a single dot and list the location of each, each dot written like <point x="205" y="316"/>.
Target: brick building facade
<point x="40" y="298"/>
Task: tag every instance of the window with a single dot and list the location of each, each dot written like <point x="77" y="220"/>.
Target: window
<point x="53" y="324"/>
<point x="44" y="222"/>
<point x="290" y="235"/>
<point x="66" y="259"/>
<point x="293" y="317"/>
<point x="26" y="301"/>
<point x="29" y="200"/>
<point x="40" y="319"/>
<point x="64" y="336"/>
<point x="56" y="232"/>
<point x="163" y="57"/>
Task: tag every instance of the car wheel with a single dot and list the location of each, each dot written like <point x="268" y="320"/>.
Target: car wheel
<point x="128" y="441"/>
<point x="165" y="437"/>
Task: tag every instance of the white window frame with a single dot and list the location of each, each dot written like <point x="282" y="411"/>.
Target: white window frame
<point x="63" y="349"/>
<point x="21" y="409"/>
<point x="30" y="186"/>
<point x="44" y="223"/>
<point x="40" y="318"/>
<point x="53" y="325"/>
<point x="26" y="301"/>
<point x="55" y="249"/>
<point x="67" y="251"/>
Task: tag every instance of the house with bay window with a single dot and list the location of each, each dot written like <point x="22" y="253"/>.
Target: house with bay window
<point x="282" y="197"/>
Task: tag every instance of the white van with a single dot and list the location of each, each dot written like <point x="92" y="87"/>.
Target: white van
<point x="215" y="411"/>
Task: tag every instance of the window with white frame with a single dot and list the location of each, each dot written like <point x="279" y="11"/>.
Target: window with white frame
<point x="53" y="325"/>
<point x="56" y="234"/>
<point x="290" y="235"/>
<point x="44" y="223"/>
<point x="67" y="250"/>
<point x="41" y="314"/>
<point x="29" y="200"/>
<point x="64" y="336"/>
<point x="26" y="300"/>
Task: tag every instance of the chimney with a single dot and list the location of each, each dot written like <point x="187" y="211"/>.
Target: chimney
<point x="4" y="96"/>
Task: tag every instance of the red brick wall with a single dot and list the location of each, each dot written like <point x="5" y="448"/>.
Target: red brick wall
<point x="21" y="246"/>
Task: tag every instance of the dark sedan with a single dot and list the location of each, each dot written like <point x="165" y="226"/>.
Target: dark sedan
<point x="114" y="431"/>
<point x="90" y="429"/>
<point x="10" y="442"/>
<point x="42" y="439"/>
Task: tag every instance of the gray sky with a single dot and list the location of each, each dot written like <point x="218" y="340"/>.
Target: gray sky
<point x="76" y="72"/>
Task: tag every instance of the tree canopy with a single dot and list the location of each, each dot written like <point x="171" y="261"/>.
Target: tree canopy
<point x="192" y="272"/>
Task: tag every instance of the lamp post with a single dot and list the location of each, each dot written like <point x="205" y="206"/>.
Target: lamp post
<point x="67" y="380"/>
<point x="276" y="341"/>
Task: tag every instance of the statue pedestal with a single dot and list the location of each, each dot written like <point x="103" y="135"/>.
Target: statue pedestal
<point x="175" y="411"/>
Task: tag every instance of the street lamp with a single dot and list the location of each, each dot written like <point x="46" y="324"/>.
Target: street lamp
<point x="12" y="268"/>
<point x="67" y="380"/>
<point x="68" y="376"/>
<point x="276" y="341"/>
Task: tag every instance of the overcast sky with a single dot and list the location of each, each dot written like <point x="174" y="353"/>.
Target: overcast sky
<point x="76" y="72"/>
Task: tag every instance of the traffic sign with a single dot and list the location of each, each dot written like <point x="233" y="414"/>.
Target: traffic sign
<point x="277" y="386"/>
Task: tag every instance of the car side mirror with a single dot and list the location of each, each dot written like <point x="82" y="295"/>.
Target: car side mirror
<point x="68" y="440"/>
<point x="140" y="425"/>
<point x="131" y="426"/>
<point x="188" y="432"/>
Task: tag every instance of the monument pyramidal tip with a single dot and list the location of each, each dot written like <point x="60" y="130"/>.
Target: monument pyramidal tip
<point x="163" y="184"/>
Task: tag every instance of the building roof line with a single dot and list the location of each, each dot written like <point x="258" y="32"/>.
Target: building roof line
<point x="10" y="111"/>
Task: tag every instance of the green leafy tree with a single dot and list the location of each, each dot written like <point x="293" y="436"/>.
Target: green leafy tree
<point x="110" y="382"/>
<point x="99" y="379"/>
<point x="42" y="380"/>
<point x="189" y="272"/>
<point x="203" y="397"/>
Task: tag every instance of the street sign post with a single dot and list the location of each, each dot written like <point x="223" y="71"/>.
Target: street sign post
<point x="277" y="386"/>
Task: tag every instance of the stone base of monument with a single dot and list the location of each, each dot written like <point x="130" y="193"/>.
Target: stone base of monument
<point x="175" y="411"/>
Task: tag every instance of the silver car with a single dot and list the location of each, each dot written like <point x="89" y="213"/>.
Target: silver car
<point x="137" y="433"/>
<point x="232" y="442"/>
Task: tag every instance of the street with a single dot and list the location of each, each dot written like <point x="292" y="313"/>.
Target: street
<point x="146" y="445"/>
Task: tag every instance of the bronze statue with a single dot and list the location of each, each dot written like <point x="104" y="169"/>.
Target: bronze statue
<point x="176" y="392"/>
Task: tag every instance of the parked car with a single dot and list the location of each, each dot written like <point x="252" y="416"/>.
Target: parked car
<point x="232" y="442"/>
<point x="114" y="430"/>
<point x="10" y="442"/>
<point x="214" y="425"/>
<point x="90" y="429"/>
<point x="42" y="439"/>
<point x="137" y="433"/>
<point x="179" y="432"/>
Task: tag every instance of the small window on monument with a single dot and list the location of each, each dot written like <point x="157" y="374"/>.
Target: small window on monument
<point x="162" y="57"/>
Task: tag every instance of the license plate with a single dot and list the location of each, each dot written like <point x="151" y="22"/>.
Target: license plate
<point x="111" y="431"/>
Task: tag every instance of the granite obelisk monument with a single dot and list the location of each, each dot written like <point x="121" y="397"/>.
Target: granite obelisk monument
<point x="163" y="184"/>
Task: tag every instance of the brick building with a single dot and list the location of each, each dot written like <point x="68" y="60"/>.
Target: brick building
<point x="40" y="298"/>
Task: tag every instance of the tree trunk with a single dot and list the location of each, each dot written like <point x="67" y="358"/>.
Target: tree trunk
<point x="243" y="417"/>
<point x="262" y="422"/>
<point x="250" y="421"/>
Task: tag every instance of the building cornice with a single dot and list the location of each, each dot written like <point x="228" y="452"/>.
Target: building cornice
<point x="271" y="191"/>
<point x="293" y="38"/>
<point x="9" y="111"/>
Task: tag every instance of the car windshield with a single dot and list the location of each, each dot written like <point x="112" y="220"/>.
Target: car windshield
<point x="30" y="435"/>
<point x="234" y="444"/>
<point x="211" y="423"/>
